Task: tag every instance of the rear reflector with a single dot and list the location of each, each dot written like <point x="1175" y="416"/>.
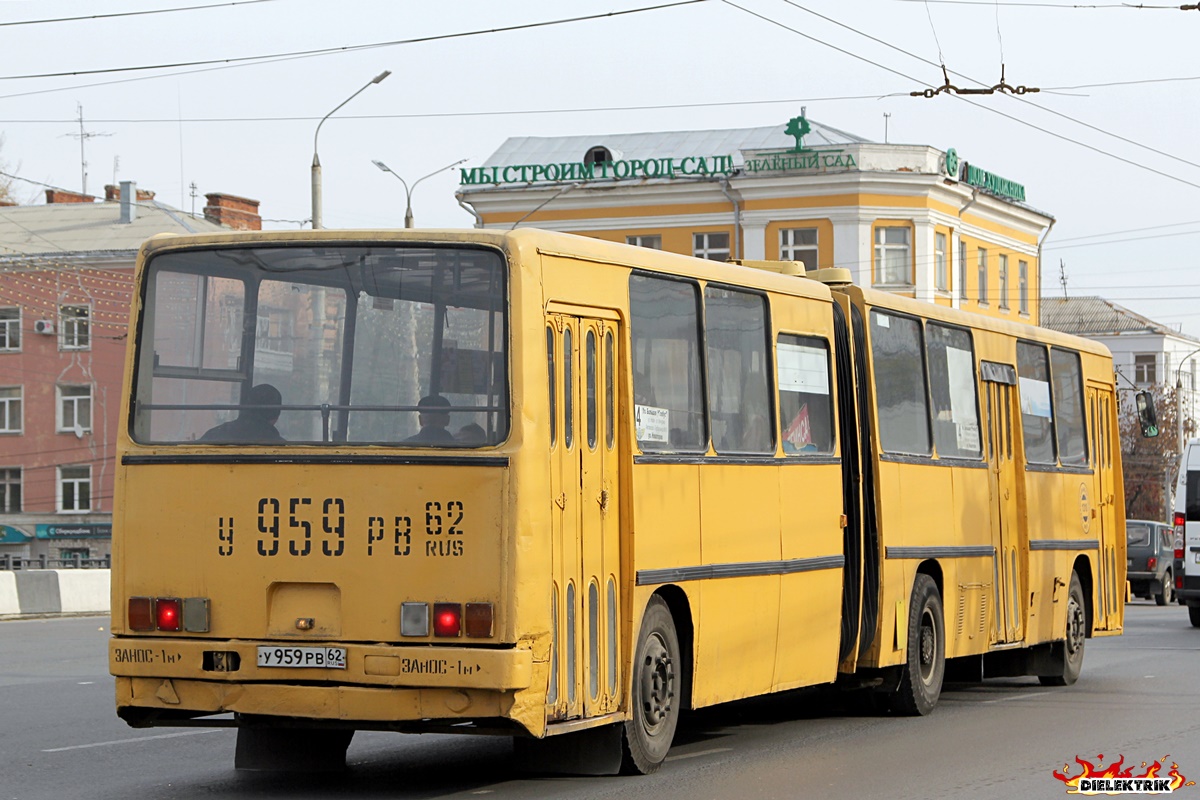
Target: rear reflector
<point x="141" y="614"/>
<point x="479" y="620"/>
<point x="1178" y="581"/>
<point x="447" y="619"/>
<point x="414" y="619"/>
<point x="168" y="613"/>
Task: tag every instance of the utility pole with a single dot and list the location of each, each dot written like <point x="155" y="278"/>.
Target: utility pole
<point x="886" y="116"/>
<point x="1062" y="276"/>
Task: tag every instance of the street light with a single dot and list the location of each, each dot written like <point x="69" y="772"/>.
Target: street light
<point x="316" y="162"/>
<point x="408" y="215"/>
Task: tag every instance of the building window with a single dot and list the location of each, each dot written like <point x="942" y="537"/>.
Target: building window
<point x="983" y="277"/>
<point x="1004" y="282"/>
<point x="76" y="327"/>
<point x="1023" y="287"/>
<point x="893" y="264"/>
<point x="598" y="155"/>
<point x="653" y="242"/>
<point x="10" y="409"/>
<point x="799" y="244"/>
<point x="941" y="272"/>
<point x="74" y="489"/>
<point x="962" y="270"/>
<point x="713" y="246"/>
<point x="74" y="409"/>
<point x="10" y="329"/>
<point x="10" y="490"/>
<point x="1145" y="369"/>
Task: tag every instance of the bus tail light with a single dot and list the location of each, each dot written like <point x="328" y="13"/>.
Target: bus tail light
<point x="141" y="614"/>
<point x="479" y="620"/>
<point x="414" y="619"/>
<point x="168" y="613"/>
<point x="195" y="614"/>
<point x="447" y="619"/>
<point x="1180" y="521"/>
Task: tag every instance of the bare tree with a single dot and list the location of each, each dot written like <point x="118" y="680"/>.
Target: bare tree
<point x="1149" y="466"/>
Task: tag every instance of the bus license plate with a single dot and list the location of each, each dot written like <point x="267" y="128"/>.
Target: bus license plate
<point x="310" y="657"/>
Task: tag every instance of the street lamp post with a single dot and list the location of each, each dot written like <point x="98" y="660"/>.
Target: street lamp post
<point x="408" y="215"/>
<point x="316" y="162"/>
<point x="1179" y="400"/>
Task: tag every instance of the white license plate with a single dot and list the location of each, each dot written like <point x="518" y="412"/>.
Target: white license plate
<point x="303" y="657"/>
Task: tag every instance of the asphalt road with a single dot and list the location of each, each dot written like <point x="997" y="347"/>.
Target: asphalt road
<point x="1138" y="697"/>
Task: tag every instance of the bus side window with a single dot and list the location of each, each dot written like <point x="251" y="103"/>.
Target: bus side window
<point x="805" y="400"/>
<point x="553" y="386"/>
<point x="739" y="386"/>
<point x="1068" y="407"/>
<point x="1037" y="418"/>
<point x="952" y="389"/>
<point x="667" y="386"/>
<point x="896" y="358"/>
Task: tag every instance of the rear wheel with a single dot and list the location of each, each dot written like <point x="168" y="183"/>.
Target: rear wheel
<point x="1168" y="589"/>
<point x="925" y="667"/>
<point x="656" y="692"/>
<point x="1076" y="637"/>
<point x="1194" y="615"/>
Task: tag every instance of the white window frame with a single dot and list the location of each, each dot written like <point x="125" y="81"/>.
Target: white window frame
<point x="76" y="482"/>
<point x="941" y="272"/>
<point x="1023" y="287"/>
<point x="1003" y="282"/>
<point x="1145" y="369"/>
<point x="650" y="241"/>
<point x="702" y="246"/>
<point x="11" y="331"/>
<point x="981" y="261"/>
<point x="72" y="405"/>
<point x="5" y="483"/>
<point x="75" y="329"/>
<point x="884" y="248"/>
<point x="791" y="250"/>
<point x="6" y="404"/>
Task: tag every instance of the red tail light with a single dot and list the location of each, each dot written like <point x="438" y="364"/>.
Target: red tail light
<point x="168" y="613"/>
<point x="447" y="619"/>
<point x="1151" y="563"/>
<point x="1180" y="522"/>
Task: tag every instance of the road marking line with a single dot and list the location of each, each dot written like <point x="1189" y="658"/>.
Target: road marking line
<point x="682" y="756"/>
<point x="1018" y="697"/>
<point x="129" y="741"/>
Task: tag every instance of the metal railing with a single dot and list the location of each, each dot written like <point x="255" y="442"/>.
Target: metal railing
<point x="11" y="562"/>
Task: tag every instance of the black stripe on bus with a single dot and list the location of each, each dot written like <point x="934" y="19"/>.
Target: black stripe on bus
<point x="764" y="460"/>
<point x="944" y="551"/>
<point x="747" y="569"/>
<point x="1064" y="544"/>
<point x="259" y="458"/>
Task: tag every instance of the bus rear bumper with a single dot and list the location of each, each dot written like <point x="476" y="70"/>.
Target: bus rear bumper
<point x="147" y="702"/>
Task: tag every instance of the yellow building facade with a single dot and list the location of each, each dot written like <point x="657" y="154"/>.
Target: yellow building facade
<point x="910" y="219"/>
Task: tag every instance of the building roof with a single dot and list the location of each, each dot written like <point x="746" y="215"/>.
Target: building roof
<point x="75" y="228"/>
<point x="1095" y="316"/>
<point x="667" y="144"/>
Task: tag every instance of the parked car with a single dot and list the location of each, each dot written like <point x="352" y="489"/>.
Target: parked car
<point x="1150" y="547"/>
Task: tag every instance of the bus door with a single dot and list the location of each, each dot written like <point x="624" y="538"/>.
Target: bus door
<point x="1009" y="577"/>
<point x="582" y="354"/>
<point x="1102" y="525"/>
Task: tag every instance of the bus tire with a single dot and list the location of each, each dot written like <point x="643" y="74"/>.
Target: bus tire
<point x="925" y="657"/>
<point x="1076" y="637"/>
<point x="655" y="696"/>
<point x="1194" y="615"/>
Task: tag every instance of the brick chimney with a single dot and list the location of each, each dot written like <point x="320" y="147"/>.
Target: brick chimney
<point x="63" y="196"/>
<point x="112" y="193"/>
<point x="238" y="213"/>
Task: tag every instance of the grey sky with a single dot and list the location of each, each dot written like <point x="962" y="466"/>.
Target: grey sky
<point x="698" y="66"/>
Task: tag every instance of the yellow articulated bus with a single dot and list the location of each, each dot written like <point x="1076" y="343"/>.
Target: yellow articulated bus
<point x="533" y="484"/>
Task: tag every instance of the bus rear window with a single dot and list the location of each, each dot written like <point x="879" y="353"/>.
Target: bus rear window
<point x="400" y="345"/>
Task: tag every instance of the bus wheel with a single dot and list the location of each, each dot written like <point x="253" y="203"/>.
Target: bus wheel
<point x="921" y="678"/>
<point x="1076" y="638"/>
<point x="656" y="684"/>
<point x="264" y="749"/>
